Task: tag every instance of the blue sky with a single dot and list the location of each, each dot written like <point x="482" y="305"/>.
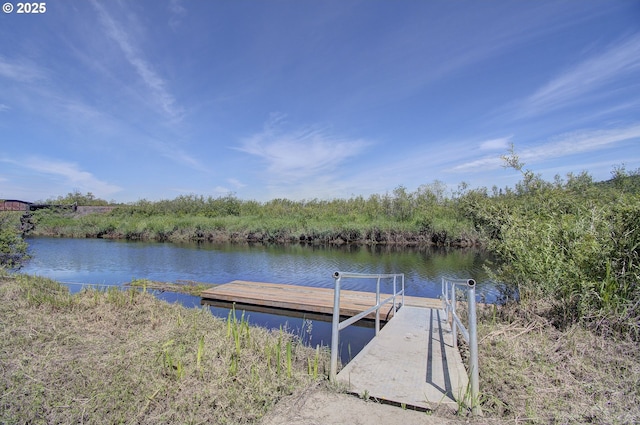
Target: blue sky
<point x="312" y="99"/>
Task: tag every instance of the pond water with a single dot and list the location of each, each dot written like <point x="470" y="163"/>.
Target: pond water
<point x="77" y="262"/>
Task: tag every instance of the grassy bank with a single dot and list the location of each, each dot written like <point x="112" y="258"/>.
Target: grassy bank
<point x="531" y="372"/>
<point x="125" y="357"/>
<point x="403" y="218"/>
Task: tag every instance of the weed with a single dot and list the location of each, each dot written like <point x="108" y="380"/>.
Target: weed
<point x="200" y="353"/>
<point x="289" y="359"/>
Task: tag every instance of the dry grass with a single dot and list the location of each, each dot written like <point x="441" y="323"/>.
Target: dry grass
<point x="125" y="357"/>
<point x="531" y="372"/>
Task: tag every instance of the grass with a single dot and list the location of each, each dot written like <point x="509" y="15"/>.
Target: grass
<point x="282" y="228"/>
<point x="188" y="287"/>
<point x="112" y="356"/>
<point x="531" y="372"/>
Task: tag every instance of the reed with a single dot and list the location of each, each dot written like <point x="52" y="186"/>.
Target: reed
<point x="289" y="363"/>
<point x="200" y="353"/>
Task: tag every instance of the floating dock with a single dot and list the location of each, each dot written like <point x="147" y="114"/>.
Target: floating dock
<point x="296" y="300"/>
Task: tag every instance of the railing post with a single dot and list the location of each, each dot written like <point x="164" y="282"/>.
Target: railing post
<point x="444" y="296"/>
<point x="454" y="326"/>
<point x="473" y="348"/>
<point x="403" y="289"/>
<point x="394" y="295"/>
<point x="378" y="304"/>
<point x="335" y="331"/>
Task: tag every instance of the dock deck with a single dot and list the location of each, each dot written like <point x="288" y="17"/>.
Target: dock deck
<point x="411" y="362"/>
<point x="304" y="300"/>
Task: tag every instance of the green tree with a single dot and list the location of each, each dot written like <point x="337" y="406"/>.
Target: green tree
<point x="78" y="198"/>
<point x="13" y="249"/>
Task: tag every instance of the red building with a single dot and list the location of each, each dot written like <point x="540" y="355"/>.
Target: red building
<point x="14" y="205"/>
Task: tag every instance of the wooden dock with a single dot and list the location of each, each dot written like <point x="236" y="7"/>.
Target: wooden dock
<point x="302" y="300"/>
<point x="412" y="361"/>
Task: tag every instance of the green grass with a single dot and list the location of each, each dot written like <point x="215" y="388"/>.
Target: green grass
<point x="400" y="218"/>
<point x="188" y="287"/>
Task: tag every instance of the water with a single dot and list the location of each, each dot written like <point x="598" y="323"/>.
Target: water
<point x="108" y="262"/>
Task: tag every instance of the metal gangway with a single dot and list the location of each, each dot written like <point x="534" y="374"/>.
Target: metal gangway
<point x="412" y="361"/>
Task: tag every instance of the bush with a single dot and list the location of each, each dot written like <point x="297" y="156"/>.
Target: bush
<point x="13" y="249"/>
<point x="574" y="243"/>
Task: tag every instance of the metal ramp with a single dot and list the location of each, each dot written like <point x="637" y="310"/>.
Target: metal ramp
<point x="412" y="362"/>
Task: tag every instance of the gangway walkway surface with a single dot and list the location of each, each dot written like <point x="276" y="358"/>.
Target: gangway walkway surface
<point x="412" y="362"/>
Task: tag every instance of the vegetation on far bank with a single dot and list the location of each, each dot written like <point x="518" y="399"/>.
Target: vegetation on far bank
<point x="425" y="216"/>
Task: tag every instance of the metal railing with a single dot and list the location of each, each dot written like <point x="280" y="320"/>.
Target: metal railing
<point x="337" y="325"/>
<point x="470" y="335"/>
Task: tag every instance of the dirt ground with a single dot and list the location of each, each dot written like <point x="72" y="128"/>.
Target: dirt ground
<point x="320" y="406"/>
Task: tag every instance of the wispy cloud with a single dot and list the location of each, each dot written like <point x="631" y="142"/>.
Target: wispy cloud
<point x="221" y="190"/>
<point x="585" y="78"/>
<point x="176" y="154"/>
<point x="160" y="95"/>
<point x="471" y="41"/>
<point x="178" y="11"/>
<point x="487" y="161"/>
<point x="236" y="183"/>
<point x="579" y="142"/>
<point x="496" y="144"/>
<point x="480" y="164"/>
<point x="70" y="173"/>
<point x="19" y="70"/>
<point x="300" y="153"/>
<point x="4" y="107"/>
<point x="561" y="146"/>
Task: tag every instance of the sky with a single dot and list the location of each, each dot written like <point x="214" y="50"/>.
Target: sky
<point x="302" y="99"/>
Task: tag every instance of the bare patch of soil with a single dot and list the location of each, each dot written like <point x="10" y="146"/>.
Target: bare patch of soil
<point x="319" y="405"/>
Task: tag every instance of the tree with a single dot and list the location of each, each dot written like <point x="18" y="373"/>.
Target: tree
<point x="13" y="249"/>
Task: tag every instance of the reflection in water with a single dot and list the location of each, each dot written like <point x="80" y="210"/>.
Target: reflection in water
<point x="108" y="262"/>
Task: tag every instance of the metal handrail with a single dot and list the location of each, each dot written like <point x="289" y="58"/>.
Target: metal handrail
<point x="337" y="325"/>
<point x="470" y="335"/>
